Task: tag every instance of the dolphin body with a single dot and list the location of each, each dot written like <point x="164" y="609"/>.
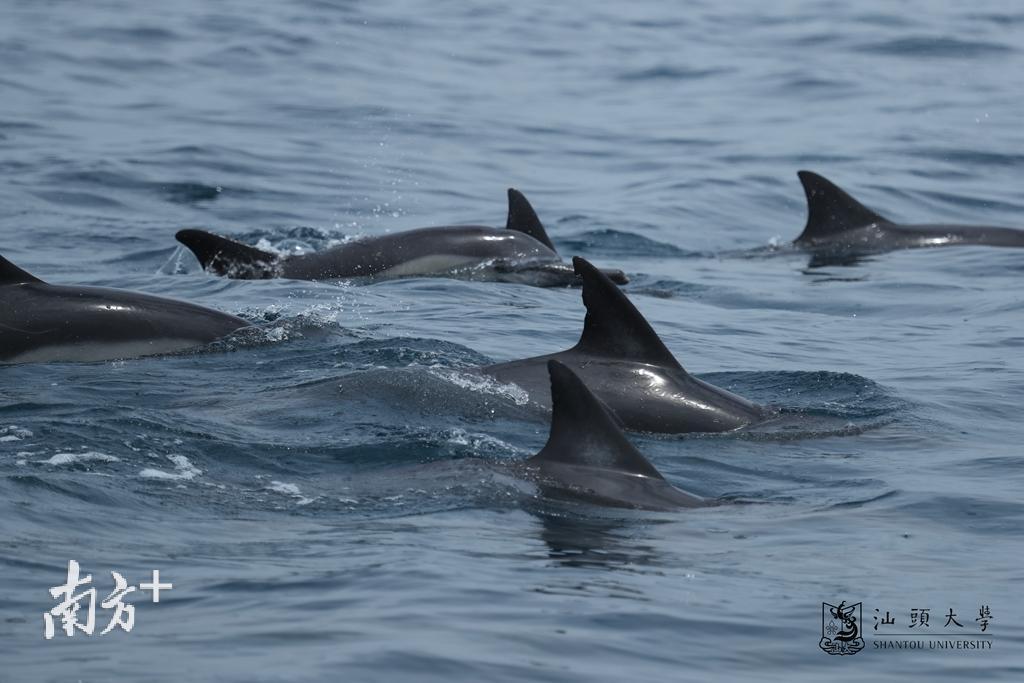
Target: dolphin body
<point x="40" y="322"/>
<point x="520" y="253"/>
<point x="624" y="362"/>
<point x="588" y="457"/>
<point x="837" y="224"/>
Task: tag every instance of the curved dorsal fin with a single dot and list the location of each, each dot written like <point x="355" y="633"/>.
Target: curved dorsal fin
<point x="11" y="274"/>
<point x="830" y="210"/>
<point x="613" y="327"/>
<point x="583" y="431"/>
<point x="227" y="257"/>
<point x="523" y="218"/>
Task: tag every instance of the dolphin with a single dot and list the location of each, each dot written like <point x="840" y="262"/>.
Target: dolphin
<point x="838" y="224"/>
<point x="522" y="252"/>
<point x="40" y="322"/>
<point x="587" y="456"/>
<point x="624" y="362"/>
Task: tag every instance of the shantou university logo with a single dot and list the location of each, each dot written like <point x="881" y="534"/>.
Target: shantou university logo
<point x="840" y="629"/>
<point x="843" y="631"/>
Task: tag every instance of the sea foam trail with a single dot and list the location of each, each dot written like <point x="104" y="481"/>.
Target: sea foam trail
<point x="183" y="470"/>
<point x="290" y="490"/>
<point x="14" y="433"/>
<point x="61" y="459"/>
<point x="483" y="384"/>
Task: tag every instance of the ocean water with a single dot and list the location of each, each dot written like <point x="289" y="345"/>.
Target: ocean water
<point x="328" y="496"/>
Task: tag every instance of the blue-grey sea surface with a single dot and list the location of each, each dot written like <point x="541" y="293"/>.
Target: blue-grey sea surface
<point x="328" y="495"/>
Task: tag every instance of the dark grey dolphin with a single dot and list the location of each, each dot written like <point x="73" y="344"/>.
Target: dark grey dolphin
<point x="42" y="323"/>
<point x="520" y="253"/>
<point x="839" y="224"/>
<point x="588" y="457"/>
<point x="623" y="361"/>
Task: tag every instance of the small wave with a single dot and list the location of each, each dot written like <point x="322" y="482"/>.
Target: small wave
<point x="106" y="177"/>
<point x="410" y="352"/>
<point x="929" y="46"/>
<point x="145" y="35"/>
<point x="61" y="459"/>
<point x="429" y="392"/>
<point x="296" y="240"/>
<point x="970" y="157"/>
<point x="183" y="470"/>
<point x="482" y="384"/>
<point x="609" y="242"/>
<point x="840" y="395"/>
<point x="864" y="502"/>
<point x="479" y="442"/>
<point x="669" y="289"/>
<point x="316" y="319"/>
<point x="290" y="490"/>
<point x="188" y="193"/>
<point x="665" y="72"/>
<point x="89" y="200"/>
<point x="973" y="514"/>
<point x="266" y="245"/>
<point x="14" y="433"/>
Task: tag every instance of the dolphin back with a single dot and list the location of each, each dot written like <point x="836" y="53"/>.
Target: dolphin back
<point x="588" y="457"/>
<point x="614" y="328"/>
<point x="523" y="218"/>
<point x="229" y="258"/>
<point x="583" y="431"/>
<point x="11" y="274"/>
<point x="40" y="322"/>
<point x="831" y="211"/>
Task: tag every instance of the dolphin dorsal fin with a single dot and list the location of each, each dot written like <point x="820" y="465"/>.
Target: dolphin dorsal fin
<point x="227" y="257"/>
<point x="613" y="327"/>
<point x="11" y="274"/>
<point x="584" y="432"/>
<point x="830" y="210"/>
<point x="523" y="218"/>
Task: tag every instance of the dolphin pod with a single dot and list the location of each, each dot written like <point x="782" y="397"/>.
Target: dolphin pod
<point x="837" y="224"/>
<point x="620" y="375"/>
<point x="522" y="252"/>
<point x="40" y="322"/>
<point x="626" y="364"/>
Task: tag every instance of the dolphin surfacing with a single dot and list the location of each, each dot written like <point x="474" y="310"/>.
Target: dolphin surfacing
<point x="40" y="322"/>
<point x="839" y="224"/>
<point x="588" y="457"/>
<point x="522" y="252"/>
<point x="624" y="362"/>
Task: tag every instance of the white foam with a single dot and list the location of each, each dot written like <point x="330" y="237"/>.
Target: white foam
<point x="14" y="433"/>
<point x="265" y="245"/>
<point x="324" y="313"/>
<point x="483" y="384"/>
<point x="72" y="458"/>
<point x="183" y="470"/>
<point x="460" y="437"/>
<point x="290" y="490"/>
